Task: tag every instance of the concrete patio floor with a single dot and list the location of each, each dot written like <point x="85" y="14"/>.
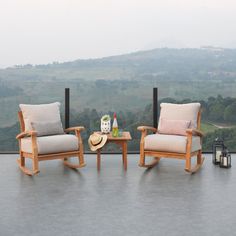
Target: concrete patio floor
<point x="162" y="201"/>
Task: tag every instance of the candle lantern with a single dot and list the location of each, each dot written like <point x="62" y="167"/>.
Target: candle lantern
<point x="225" y="159"/>
<point x="218" y="147"/>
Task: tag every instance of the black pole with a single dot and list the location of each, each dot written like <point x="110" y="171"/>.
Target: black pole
<point x="155" y="107"/>
<point x="67" y="108"/>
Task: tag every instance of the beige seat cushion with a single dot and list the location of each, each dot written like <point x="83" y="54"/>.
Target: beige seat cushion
<point x="170" y="143"/>
<point x="52" y="144"/>
<point x="187" y="111"/>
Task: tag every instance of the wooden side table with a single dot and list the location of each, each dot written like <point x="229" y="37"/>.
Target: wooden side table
<point x="121" y="141"/>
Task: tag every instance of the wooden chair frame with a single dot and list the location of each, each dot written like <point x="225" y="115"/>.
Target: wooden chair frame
<point x="185" y="156"/>
<point x="38" y="157"/>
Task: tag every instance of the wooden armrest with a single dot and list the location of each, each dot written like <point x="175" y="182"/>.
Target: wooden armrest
<point x="194" y="132"/>
<point x="144" y="128"/>
<point x="77" y="128"/>
<point x="26" y="134"/>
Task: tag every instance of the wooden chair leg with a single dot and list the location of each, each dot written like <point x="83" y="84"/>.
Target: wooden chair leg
<point x="200" y="161"/>
<point x="153" y="163"/>
<point x="35" y="165"/>
<point x="199" y="157"/>
<point x="25" y="170"/>
<point x="150" y="165"/>
<point x="22" y="159"/>
<point x="142" y="159"/>
<point x="81" y="159"/>
<point x="188" y="163"/>
<point x="75" y="166"/>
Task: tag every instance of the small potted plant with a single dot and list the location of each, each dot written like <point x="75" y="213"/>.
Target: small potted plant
<point x="106" y="124"/>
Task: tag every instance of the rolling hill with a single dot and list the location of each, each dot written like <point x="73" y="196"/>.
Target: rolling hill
<point x="121" y="82"/>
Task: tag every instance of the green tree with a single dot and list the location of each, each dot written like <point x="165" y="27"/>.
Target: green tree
<point x="230" y="113"/>
<point x="216" y="112"/>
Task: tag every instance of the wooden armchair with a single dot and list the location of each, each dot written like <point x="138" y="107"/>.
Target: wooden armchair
<point x="46" y="147"/>
<point x="181" y="144"/>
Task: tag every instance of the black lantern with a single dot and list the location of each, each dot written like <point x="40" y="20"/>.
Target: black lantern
<point x="225" y="159"/>
<point x="218" y="147"/>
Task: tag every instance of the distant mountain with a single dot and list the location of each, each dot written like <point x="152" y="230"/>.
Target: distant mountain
<point x="155" y="62"/>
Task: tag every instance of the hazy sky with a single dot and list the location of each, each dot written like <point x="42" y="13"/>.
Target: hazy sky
<point x="43" y="31"/>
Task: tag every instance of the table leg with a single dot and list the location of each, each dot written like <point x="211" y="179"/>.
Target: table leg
<point x="124" y="154"/>
<point x="98" y="159"/>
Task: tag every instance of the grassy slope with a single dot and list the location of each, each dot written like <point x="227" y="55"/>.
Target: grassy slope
<point x="208" y="128"/>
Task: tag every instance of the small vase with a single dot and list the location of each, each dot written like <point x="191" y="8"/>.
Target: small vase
<point x="105" y="126"/>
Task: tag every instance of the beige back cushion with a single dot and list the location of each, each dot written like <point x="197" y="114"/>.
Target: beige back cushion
<point x="48" y="128"/>
<point x="40" y="113"/>
<point x="187" y="111"/>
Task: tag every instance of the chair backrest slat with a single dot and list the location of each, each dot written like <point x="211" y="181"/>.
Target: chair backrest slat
<point x="199" y="120"/>
<point x="21" y="120"/>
